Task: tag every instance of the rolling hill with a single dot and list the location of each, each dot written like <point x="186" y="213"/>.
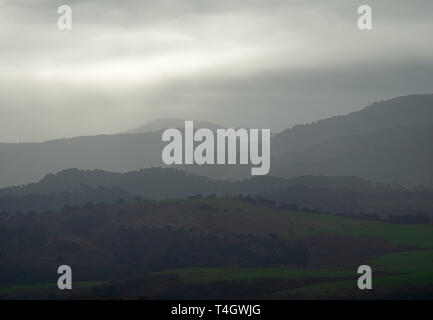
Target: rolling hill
<point x="338" y="195"/>
<point x="388" y="141"/>
<point x="400" y="154"/>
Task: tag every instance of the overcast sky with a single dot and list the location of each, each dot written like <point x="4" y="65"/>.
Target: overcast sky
<point x="253" y="63"/>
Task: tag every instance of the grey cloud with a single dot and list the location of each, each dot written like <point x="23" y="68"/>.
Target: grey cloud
<point x="270" y="63"/>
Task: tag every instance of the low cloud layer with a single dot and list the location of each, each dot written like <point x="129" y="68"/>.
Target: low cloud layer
<point x="253" y="63"/>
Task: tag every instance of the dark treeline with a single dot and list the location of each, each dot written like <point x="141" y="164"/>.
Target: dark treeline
<point x="91" y="239"/>
<point x="294" y="207"/>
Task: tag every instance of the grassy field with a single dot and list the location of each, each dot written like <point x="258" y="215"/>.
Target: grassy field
<point x="210" y="275"/>
<point x="238" y="216"/>
<point x="411" y="268"/>
<point x="405" y="269"/>
<point x="311" y="223"/>
<point x="401" y="256"/>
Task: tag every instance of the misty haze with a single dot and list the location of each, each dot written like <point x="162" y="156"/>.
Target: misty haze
<point x="84" y="116"/>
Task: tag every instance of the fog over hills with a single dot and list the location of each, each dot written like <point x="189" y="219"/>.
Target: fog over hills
<point x="216" y="150"/>
<point x="388" y="141"/>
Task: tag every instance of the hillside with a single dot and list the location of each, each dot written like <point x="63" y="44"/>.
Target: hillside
<point x="338" y="195"/>
<point x="411" y="110"/>
<point x="400" y="154"/>
<point x="28" y="162"/>
<point x="213" y="248"/>
<point x="152" y="183"/>
<point x="389" y="141"/>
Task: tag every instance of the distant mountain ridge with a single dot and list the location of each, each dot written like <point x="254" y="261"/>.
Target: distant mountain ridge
<point x="388" y="141"/>
<point x="411" y="110"/>
<point x="402" y="154"/>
